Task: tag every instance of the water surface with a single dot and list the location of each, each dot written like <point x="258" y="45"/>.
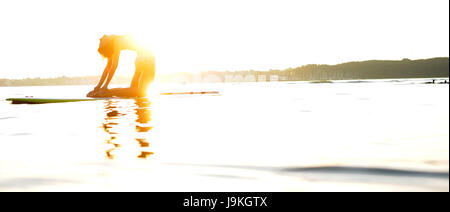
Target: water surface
<point x="365" y="135"/>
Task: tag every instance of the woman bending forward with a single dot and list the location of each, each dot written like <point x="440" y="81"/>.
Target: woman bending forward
<point x="110" y="47"/>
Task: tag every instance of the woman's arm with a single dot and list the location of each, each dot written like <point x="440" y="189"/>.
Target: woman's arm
<point x="112" y="69"/>
<point x="105" y="73"/>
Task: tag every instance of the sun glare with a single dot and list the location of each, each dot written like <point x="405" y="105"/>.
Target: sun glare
<point x="202" y="35"/>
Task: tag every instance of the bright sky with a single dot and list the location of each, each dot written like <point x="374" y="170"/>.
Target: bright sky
<point x="54" y="38"/>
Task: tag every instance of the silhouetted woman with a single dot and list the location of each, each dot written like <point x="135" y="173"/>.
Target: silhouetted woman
<point x="110" y="47"/>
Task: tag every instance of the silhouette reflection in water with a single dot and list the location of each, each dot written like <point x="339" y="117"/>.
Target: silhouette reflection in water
<point x="128" y="124"/>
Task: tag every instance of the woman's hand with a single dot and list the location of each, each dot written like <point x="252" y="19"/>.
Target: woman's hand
<point x="92" y="93"/>
<point x="97" y="92"/>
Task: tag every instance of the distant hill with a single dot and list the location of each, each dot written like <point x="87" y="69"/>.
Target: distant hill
<point x="372" y="69"/>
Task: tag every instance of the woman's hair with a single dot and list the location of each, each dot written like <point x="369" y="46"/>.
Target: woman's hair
<point x="108" y="45"/>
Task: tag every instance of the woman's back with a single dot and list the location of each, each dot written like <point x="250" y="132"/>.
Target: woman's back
<point x="110" y="47"/>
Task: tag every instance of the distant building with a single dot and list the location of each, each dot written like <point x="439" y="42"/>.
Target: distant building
<point x="250" y="78"/>
<point x="262" y="78"/>
<point x="283" y="78"/>
<point x="273" y="78"/>
<point x="238" y="78"/>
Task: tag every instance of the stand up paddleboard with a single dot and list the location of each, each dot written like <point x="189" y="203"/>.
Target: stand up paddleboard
<point x="199" y="92"/>
<point x="34" y="100"/>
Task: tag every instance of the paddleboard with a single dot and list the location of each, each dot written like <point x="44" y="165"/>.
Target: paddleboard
<point x="33" y="100"/>
<point x="197" y="92"/>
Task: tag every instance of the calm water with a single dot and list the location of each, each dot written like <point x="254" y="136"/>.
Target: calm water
<point x="281" y="136"/>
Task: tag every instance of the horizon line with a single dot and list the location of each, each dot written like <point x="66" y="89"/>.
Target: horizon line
<point x="181" y="72"/>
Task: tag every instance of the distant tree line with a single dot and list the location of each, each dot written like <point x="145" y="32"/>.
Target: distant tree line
<point x="372" y="69"/>
<point x="86" y="80"/>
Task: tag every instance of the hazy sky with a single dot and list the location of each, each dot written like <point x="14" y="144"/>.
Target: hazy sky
<point x="54" y="38"/>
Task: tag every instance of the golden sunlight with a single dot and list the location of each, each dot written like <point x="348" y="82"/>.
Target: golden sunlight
<point x="220" y="96"/>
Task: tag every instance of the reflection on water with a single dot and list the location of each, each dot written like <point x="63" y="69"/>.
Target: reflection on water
<point x="128" y="124"/>
<point x="272" y="136"/>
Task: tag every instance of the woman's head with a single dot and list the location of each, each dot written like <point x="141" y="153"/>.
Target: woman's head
<point x="108" y="44"/>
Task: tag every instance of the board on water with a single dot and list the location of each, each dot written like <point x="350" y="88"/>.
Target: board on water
<point x="34" y="100"/>
<point x="195" y="92"/>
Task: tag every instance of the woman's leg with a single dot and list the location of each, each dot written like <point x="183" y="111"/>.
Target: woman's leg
<point x="136" y="78"/>
<point x="116" y="92"/>
<point x="147" y="68"/>
<point x="143" y="76"/>
<point x="123" y="92"/>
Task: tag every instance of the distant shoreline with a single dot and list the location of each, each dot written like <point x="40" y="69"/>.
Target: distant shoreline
<point x="438" y="81"/>
<point x="364" y="70"/>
